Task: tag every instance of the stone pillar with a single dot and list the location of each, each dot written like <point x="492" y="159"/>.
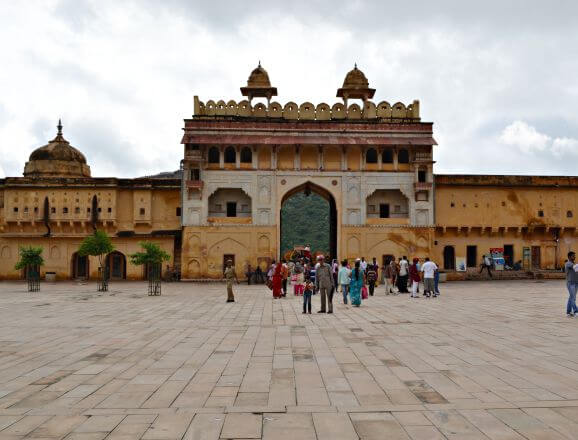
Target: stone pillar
<point x="343" y="158"/>
<point x="379" y="157"/>
<point x="362" y="161"/>
<point x="319" y="157"/>
<point x="255" y="157"/>
<point x="221" y="157"/>
<point x="395" y="163"/>
<point x="274" y="157"/>
<point x="297" y="158"/>
<point x="237" y="157"/>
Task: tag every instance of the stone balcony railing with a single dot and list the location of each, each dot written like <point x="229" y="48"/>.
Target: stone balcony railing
<point x="194" y="184"/>
<point x="422" y="186"/>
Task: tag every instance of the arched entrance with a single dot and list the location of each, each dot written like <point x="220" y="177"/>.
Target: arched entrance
<point x="116" y="265"/>
<point x="80" y="267"/>
<point x="308" y="216"/>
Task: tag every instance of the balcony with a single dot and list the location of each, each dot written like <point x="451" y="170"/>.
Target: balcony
<point x="422" y="157"/>
<point x="422" y="186"/>
<point x="195" y="184"/>
<point x="194" y="156"/>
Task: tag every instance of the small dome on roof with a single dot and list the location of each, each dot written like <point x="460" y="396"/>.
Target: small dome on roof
<point x="355" y="85"/>
<point x="57" y="159"/>
<point x="355" y="79"/>
<point x="259" y="78"/>
<point x="258" y="85"/>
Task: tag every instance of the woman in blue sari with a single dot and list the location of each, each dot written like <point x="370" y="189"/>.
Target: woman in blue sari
<point x="357" y="281"/>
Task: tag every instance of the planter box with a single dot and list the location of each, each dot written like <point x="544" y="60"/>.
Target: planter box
<point x="50" y="277"/>
<point x="443" y="277"/>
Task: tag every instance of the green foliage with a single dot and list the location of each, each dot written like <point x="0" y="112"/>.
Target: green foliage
<point x="305" y="220"/>
<point x="97" y="245"/>
<point x="29" y="256"/>
<point x="153" y="254"/>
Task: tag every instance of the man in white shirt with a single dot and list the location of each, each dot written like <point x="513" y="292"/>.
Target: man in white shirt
<point x="429" y="268"/>
<point x="363" y="264"/>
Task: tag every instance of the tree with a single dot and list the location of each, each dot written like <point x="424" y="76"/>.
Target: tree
<point x="97" y="245"/>
<point x="153" y="256"/>
<point x="30" y="260"/>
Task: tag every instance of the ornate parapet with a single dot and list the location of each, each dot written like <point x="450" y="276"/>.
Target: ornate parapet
<point x="308" y="111"/>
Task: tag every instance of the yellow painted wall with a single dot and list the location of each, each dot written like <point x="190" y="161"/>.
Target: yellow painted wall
<point x="204" y="247"/>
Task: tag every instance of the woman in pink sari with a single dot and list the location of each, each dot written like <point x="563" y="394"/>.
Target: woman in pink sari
<point x="277" y="278"/>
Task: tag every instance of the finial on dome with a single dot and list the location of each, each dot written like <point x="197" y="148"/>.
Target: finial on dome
<point x="59" y="126"/>
<point x="259" y="63"/>
<point x="355" y="66"/>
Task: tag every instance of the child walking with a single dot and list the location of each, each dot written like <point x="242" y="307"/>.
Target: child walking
<point x="307" y="293"/>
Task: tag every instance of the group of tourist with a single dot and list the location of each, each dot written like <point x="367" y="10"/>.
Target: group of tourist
<point x="355" y="281"/>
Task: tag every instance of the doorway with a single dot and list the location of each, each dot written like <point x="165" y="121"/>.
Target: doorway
<point x="80" y="269"/>
<point x="536" y="263"/>
<point x="471" y="256"/>
<point x="449" y="258"/>
<point x="116" y="265"/>
<point x="509" y="255"/>
<point x="309" y="217"/>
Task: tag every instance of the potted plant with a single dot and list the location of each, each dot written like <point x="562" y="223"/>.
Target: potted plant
<point x="31" y="260"/>
<point x="153" y="257"/>
<point x="98" y="245"/>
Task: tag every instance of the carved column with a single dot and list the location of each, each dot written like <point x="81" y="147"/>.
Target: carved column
<point x="221" y="157"/>
<point x="379" y="158"/>
<point x="343" y="158"/>
<point x="395" y="163"/>
<point x="237" y="157"/>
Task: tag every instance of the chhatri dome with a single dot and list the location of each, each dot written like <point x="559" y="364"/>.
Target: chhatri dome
<point x="258" y="85"/>
<point x="57" y="159"/>
<point x="355" y="86"/>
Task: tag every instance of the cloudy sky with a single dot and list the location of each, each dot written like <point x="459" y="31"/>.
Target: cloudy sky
<point x="498" y="79"/>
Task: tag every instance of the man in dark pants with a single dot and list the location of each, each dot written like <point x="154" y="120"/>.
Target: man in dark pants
<point x="486" y="264"/>
<point x="325" y="284"/>
<point x="249" y="274"/>
<point x="259" y="276"/>
<point x="371" y="277"/>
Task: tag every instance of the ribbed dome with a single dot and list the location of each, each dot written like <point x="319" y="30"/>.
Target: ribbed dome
<point x="259" y="78"/>
<point x="355" y="86"/>
<point x="57" y="159"/>
<point x="355" y="79"/>
<point x="258" y="85"/>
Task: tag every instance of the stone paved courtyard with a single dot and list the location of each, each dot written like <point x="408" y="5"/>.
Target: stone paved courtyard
<point x="495" y="360"/>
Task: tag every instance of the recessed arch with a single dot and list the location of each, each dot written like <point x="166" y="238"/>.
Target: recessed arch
<point x="230" y="155"/>
<point x="308" y="188"/>
<point x="214" y="155"/>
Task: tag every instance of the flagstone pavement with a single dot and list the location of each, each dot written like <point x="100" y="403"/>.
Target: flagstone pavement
<point x="486" y="360"/>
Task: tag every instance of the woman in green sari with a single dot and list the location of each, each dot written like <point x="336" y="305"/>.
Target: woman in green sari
<point x="357" y="281"/>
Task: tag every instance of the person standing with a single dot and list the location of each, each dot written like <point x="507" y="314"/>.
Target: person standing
<point x="390" y="274"/>
<point x="307" y="294"/>
<point x="486" y="264"/>
<point x="284" y="276"/>
<point x="363" y="264"/>
<point x="324" y="284"/>
<point x="403" y="275"/>
<point x="371" y="276"/>
<point x="249" y="274"/>
<point x="277" y="278"/>
<point x="437" y="281"/>
<point x="429" y="268"/>
<point x="230" y="276"/>
<point x="571" y="284"/>
<point x="357" y="281"/>
<point x="343" y="279"/>
<point x="414" y="278"/>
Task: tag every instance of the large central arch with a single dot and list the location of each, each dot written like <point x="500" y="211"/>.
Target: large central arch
<point x="308" y="188"/>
